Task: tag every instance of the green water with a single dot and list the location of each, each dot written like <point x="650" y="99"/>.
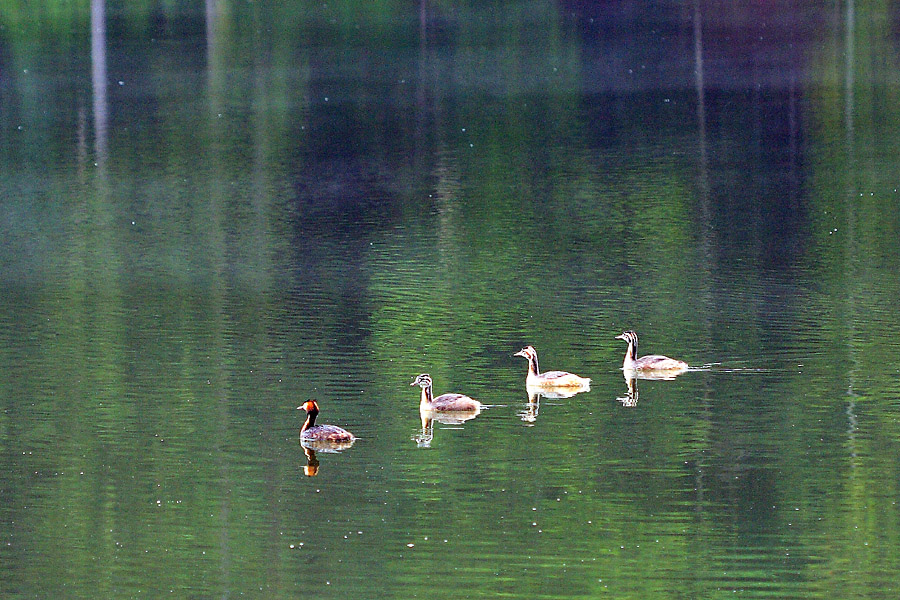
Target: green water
<point x="212" y="213"/>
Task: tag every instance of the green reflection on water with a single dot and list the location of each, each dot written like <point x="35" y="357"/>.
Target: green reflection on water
<point x="313" y="201"/>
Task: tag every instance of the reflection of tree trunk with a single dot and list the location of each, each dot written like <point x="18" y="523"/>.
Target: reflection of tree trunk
<point x="265" y="95"/>
<point x="423" y="60"/>
<point x="850" y="233"/>
<point x="215" y="86"/>
<point x="212" y="15"/>
<point x="421" y="109"/>
<point x="98" y="78"/>
<point x="708" y="236"/>
<point x="700" y="87"/>
<point x="849" y="50"/>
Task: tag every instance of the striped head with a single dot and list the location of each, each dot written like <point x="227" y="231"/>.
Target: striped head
<point x="629" y="336"/>
<point x="531" y="354"/>
<point x="528" y="352"/>
<point x="423" y="381"/>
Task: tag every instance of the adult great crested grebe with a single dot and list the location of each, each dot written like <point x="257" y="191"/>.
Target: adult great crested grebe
<point x="651" y="362"/>
<point x="444" y="402"/>
<point x="325" y="433"/>
<point x="550" y="379"/>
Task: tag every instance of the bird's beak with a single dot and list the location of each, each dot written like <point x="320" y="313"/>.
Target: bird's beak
<point x="620" y="337"/>
<point x="415" y="382"/>
<point x="520" y="353"/>
<point x="300" y="408"/>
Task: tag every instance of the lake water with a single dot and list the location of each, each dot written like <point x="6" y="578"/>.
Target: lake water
<point x="212" y="213"/>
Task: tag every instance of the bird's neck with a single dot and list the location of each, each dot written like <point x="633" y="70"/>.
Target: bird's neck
<point x="426" y="397"/>
<point x="310" y="420"/>
<point x="533" y="368"/>
<point x="632" y="350"/>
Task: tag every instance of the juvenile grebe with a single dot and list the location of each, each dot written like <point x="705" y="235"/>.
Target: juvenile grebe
<point x="550" y="379"/>
<point x="444" y="402"/>
<point x="324" y="433"/>
<point x="651" y="362"/>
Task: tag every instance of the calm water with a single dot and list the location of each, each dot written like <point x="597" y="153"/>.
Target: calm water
<point x="212" y="213"/>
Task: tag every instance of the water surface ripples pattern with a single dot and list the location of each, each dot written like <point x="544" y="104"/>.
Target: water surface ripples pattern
<point x="212" y="214"/>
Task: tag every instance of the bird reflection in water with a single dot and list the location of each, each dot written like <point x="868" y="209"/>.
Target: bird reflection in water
<point x="310" y="447"/>
<point x="457" y="417"/>
<point x="424" y="437"/>
<point x="530" y="414"/>
<point x="535" y="393"/>
<point x="630" y="399"/>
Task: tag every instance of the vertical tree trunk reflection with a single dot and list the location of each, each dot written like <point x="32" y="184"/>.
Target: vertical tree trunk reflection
<point x="98" y="78"/>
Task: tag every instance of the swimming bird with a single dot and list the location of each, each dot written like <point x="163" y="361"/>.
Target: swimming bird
<point x="324" y="433"/>
<point x="651" y="362"/>
<point x="444" y="402"/>
<point x="550" y="379"/>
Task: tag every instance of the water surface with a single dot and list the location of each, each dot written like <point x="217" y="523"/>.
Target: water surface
<point x="212" y="214"/>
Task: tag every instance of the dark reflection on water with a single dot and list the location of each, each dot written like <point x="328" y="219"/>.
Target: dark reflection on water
<point x="211" y="214"/>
